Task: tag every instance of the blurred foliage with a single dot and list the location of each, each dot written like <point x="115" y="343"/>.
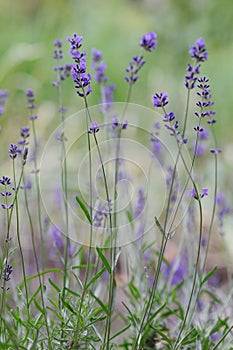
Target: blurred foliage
<point x="29" y="28"/>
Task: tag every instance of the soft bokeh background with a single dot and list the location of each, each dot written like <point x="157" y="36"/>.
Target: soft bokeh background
<point x="29" y="28"/>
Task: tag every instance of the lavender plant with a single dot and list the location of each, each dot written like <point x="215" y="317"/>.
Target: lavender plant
<point x="120" y="223"/>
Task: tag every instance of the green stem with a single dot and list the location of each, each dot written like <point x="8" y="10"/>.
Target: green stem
<point x="18" y="235"/>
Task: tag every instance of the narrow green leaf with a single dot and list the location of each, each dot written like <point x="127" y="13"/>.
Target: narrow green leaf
<point x="159" y="225"/>
<point x="83" y="266"/>
<point x="120" y="331"/>
<point x="84" y="209"/>
<point x="34" y="295"/>
<point x="72" y="292"/>
<point x="209" y="274"/>
<point x="163" y="335"/>
<point x="155" y="314"/>
<point x="40" y="274"/>
<point x="69" y="307"/>
<point x="134" y="291"/>
<point x="54" y="285"/>
<point x="131" y="314"/>
<point x="103" y="306"/>
<point x="35" y="344"/>
<point x="37" y="305"/>
<point x="104" y="260"/>
<point x="94" y="278"/>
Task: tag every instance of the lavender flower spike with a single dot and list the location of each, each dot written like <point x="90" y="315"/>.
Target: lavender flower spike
<point x="160" y="100"/>
<point x="198" y="51"/>
<point x="14" y="151"/>
<point x="94" y="127"/>
<point x="149" y="41"/>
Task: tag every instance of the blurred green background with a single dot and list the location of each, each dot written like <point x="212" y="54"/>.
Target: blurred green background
<point x="29" y="28"/>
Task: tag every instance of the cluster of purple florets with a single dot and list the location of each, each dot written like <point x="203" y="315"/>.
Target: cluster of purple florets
<point x="62" y="70"/>
<point x="148" y="43"/>
<point x="81" y="78"/>
<point x="199" y="54"/>
<point x="3" y="99"/>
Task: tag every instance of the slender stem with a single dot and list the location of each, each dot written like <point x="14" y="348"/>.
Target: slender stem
<point x="18" y="235"/>
<point x="36" y="170"/>
<point x="176" y="346"/>
<point x="186" y="113"/>
<point x="37" y="265"/>
<point x="87" y="272"/>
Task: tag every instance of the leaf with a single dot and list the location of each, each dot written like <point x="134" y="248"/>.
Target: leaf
<point x="159" y="225"/>
<point x="94" y="278"/>
<point x="134" y="320"/>
<point x="40" y="274"/>
<point x="103" y="306"/>
<point x="34" y="295"/>
<point x="54" y="286"/>
<point x="37" y="305"/>
<point x="163" y="335"/>
<point x="104" y="260"/>
<point x="155" y="314"/>
<point x="72" y="292"/>
<point x="209" y="274"/>
<point x="84" y="209"/>
<point x="134" y="291"/>
<point x="120" y="331"/>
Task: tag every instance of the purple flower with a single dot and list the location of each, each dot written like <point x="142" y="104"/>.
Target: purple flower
<point x="107" y="97"/>
<point x="198" y="51"/>
<point x="75" y="45"/>
<point x="194" y="194"/>
<point x="57" y="53"/>
<point x="24" y="133"/>
<point x="223" y="209"/>
<point x="5" y="193"/>
<point x="205" y="95"/>
<point x="6" y="181"/>
<point x="176" y="271"/>
<point x="160" y="100"/>
<point x="80" y="77"/>
<point x="58" y="43"/>
<point x="198" y="128"/>
<point x="156" y="143"/>
<point x="14" y="151"/>
<point x="199" y="54"/>
<point x="169" y="117"/>
<point x="5" y="206"/>
<point x="124" y="124"/>
<point x="149" y="41"/>
<point x="30" y="97"/>
<point x="94" y="127"/>
<point x="99" y="66"/>
<point x="175" y="132"/>
<point x="115" y="123"/>
<point x="96" y="56"/>
<point x="134" y="67"/>
<point x="140" y="203"/>
<point x="101" y="211"/>
<point x="3" y="98"/>
<point x="55" y="232"/>
<point x="200" y="149"/>
<point x="25" y="155"/>
<point x="63" y="71"/>
<point x="191" y="78"/>
<point x="6" y="273"/>
<point x="204" y="192"/>
<point x="216" y="151"/>
<point x="100" y="76"/>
